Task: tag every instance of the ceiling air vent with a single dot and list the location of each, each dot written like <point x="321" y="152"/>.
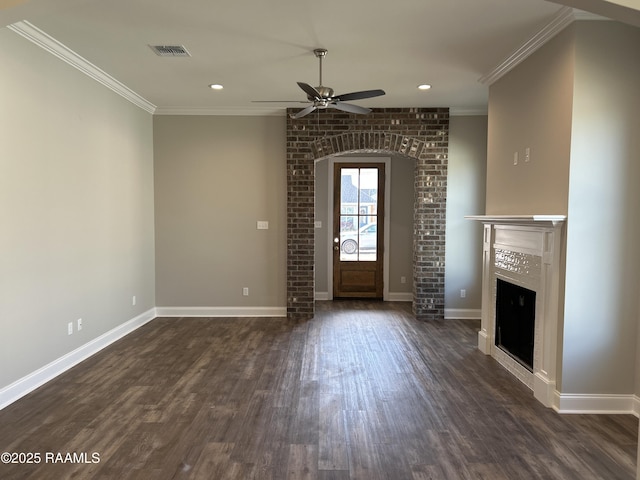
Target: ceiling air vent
<point x="170" y="50"/>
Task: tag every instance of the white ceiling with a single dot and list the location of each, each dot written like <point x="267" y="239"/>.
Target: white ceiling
<point x="259" y="49"/>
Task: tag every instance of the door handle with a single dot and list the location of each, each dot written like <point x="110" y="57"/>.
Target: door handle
<point x="336" y="248"/>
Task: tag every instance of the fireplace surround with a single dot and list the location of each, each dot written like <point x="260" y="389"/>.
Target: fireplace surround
<point x="526" y="251"/>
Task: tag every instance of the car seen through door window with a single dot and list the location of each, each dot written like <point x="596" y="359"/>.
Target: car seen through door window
<point x="365" y="238"/>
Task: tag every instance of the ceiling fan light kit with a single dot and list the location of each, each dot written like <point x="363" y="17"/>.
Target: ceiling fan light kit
<point x="322" y="97"/>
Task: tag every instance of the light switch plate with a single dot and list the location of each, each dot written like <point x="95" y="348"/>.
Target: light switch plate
<point x="263" y="225"/>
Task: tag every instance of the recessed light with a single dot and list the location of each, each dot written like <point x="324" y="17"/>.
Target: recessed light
<point x="216" y="86"/>
<point x="424" y="86"/>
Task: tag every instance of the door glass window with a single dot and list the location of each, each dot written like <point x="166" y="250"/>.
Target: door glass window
<point x="358" y="214"/>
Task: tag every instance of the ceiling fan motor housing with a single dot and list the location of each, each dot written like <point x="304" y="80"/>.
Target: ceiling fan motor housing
<point x="325" y="92"/>
<point x="322" y="97"/>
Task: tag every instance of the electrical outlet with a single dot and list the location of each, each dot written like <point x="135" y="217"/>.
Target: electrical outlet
<point x="463" y="293"/>
<point x="515" y="158"/>
<point x="133" y="300"/>
<point x="403" y="279"/>
<point x="527" y="155"/>
<point x="79" y="324"/>
<point x="70" y="328"/>
<point x="245" y="291"/>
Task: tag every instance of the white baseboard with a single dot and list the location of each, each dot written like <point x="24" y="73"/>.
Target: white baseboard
<point x="544" y="390"/>
<point x="400" y="297"/>
<point x="484" y="344"/>
<point x="221" y="311"/>
<point x="597" y="404"/>
<point x="27" y="384"/>
<point x="322" y="296"/>
<point x="463" y="313"/>
<point x="636" y="405"/>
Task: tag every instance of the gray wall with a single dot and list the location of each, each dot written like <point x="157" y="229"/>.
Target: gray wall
<point x="322" y="270"/>
<point x="466" y="192"/>
<point x="531" y="107"/>
<point x="215" y="177"/>
<point x="604" y="223"/>
<point x="76" y="203"/>
<point x="401" y="226"/>
<point x="575" y="103"/>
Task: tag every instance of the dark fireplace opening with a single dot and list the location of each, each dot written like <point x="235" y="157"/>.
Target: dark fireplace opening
<point x="515" y="321"/>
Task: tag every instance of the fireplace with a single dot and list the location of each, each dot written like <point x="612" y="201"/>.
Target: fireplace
<point x="521" y="297"/>
<point x="515" y="321"/>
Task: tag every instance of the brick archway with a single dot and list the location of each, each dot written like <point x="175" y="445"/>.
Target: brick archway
<point x="418" y="133"/>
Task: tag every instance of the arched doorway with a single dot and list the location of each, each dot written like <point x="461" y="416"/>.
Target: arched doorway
<point x="418" y="133"/>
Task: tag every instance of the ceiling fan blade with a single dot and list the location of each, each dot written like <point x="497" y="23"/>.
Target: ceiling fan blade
<point x="303" y="112"/>
<point x="359" y="95"/>
<point x="277" y="101"/>
<point x="309" y="90"/>
<point x="348" y="107"/>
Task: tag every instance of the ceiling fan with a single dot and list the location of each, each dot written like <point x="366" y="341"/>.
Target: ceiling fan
<point x="322" y="97"/>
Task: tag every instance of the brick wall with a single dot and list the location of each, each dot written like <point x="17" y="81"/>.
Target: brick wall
<point x="418" y="133"/>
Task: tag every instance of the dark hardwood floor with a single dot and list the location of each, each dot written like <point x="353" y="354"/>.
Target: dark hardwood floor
<point x="362" y="391"/>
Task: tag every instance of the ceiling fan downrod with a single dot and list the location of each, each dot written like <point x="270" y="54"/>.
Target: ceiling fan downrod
<point x="325" y="92"/>
<point x="320" y="53"/>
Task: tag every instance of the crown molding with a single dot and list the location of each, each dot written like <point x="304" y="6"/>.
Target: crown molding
<point x="564" y="17"/>
<point x="51" y="45"/>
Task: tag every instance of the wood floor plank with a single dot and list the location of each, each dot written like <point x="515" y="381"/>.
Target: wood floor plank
<point x="361" y="391"/>
<point x="215" y="462"/>
<point x="303" y="462"/>
<point x="332" y="438"/>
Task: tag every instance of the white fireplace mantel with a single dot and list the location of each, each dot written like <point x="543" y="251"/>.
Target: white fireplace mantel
<point x="525" y="250"/>
<point x="541" y="220"/>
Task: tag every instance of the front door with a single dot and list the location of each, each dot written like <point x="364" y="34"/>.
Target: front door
<point x="358" y="221"/>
